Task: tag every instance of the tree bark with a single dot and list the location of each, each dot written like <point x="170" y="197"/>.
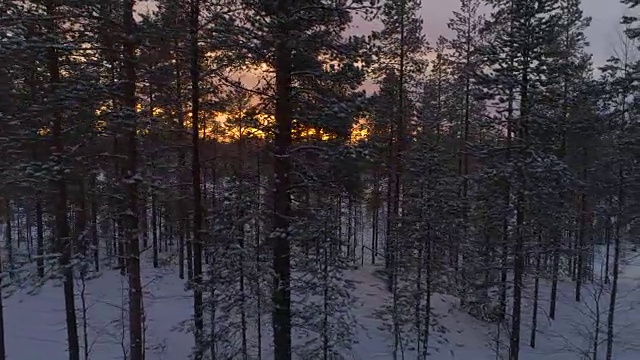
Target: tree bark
<point x="196" y="174"/>
<point x="154" y="229"/>
<point x="63" y="243"/>
<point x="8" y="238"/>
<point x="536" y="290"/>
<point x="616" y="268"/>
<point x="3" y="354"/>
<point x="280" y="236"/>
<point x="130" y="184"/>
<point x="39" y="239"/>
<point x="95" y="240"/>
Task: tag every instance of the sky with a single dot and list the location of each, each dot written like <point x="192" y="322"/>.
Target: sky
<point x="603" y="33"/>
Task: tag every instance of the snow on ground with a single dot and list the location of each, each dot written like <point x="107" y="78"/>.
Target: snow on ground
<point x="35" y="326"/>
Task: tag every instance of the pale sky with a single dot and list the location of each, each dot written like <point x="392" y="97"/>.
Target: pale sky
<point x="602" y="35"/>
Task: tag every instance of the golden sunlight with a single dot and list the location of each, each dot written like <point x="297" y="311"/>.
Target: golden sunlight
<point x="230" y="127"/>
<point x="359" y="131"/>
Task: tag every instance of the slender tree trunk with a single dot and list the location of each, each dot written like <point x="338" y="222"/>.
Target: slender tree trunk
<point x="243" y="300"/>
<point x="375" y="219"/>
<point x="504" y="263"/>
<point x="130" y="182"/>
<point x="518" y="251"/>
<point x="507" y="204"/>
<point x="95" y="240"/>
<point x="62" y="224"/>
<point x="579" y="247"/>
<point x="554" y="274"/>
<point x="536" y="290"/>
<point x="189" y="257"/>
<point x="28" y="225"/>
<point x="518" y="272"/>
<point x="8" y="239"/>
<point x="3" y="353"/>
<point x="39" y="239"/>
<point x="198" y="230"/>
<point x="154" y="226"/>
<point x="325" y="300"/>
<point x="418" y="301"/>
<point x="282" y="202"/>
<point x="389" y="208"/>
<point x="181" y="244"/>
<point x="607" y="239"/>
<point x="18" y="226"/>
<point x="258" y="258"/>
<point x="399" y="155"/>
<point x="258" y="295"/>
<point x="616" y="268"/>
<point x="121" y="244"/>
<point x="144" y="227"/>
<point x="596" y="331"/>
<point x="159" y="225"/>
<point x="81" y="220"/>
<point x="428" y="288"/>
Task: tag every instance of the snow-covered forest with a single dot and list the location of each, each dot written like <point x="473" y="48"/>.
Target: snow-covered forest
<point x="256" y="180"/>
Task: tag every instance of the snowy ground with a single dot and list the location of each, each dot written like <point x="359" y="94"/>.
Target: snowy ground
<point x="35" y="327"/>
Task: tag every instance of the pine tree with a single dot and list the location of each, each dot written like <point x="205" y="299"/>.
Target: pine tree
<point x="401" y="47"/>
<point x="294" y="40"/>
<point x="130" y="182"/>
<point x="196" y="178"/>
<point x="62" y="225"/>
<point x="467" y="64"/>
<point x="519" y="61"/>
<point x="621" y="138"/>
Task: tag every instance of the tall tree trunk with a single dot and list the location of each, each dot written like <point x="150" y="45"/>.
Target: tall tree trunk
<point x="198" y="231"/>
<point x="518" y="251"/>
<point x="505" y="221"/>
<point x="121" y="245"/>
<point x="607" y="238"/>
<point x="182" y="164"/>
<point x="18" y="226"/>
<point x="536" y="290"/>
<point x="388" y="247"/>
<point x="3" y="353"/>
<point x="280" y="236"/>
<point x="63" y="243"/>
<point x="28" y="229"/>
<point x="554" y="273"/>
<point x="181" y="244"/>
<point x="8" y="239"/>
<point x="616" y="268"/>
<point x="189" y="248"/>
<point x="80" y="223"/>
<point x="154" y="231"/>
<point x="400" y="145"/>
<point x="258" y="259"/>
<point x="428" y="289"/>
<point x="518" y="273"/>
<point x="130" y="182"/>
<point x="580" y="246"/>
<point x="39" y="239"/>
<point x="580" y="266"/>
<point x="144" y="226"/>
<point x="95" y="240"/>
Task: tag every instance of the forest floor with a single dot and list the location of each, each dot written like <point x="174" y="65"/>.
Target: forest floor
<point x="35" y="323"/>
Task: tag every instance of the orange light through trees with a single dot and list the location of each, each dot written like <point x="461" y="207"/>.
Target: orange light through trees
<point x="231" y="127"/>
